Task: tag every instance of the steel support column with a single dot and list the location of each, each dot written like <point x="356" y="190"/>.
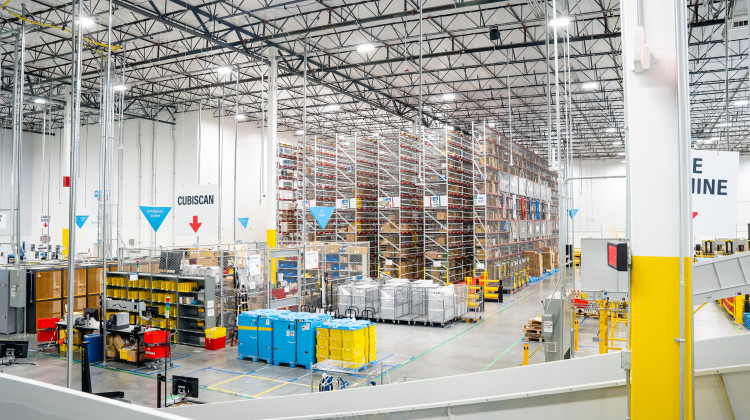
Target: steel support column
<point x="273" y="145"/>
<point x="661" y="369"/>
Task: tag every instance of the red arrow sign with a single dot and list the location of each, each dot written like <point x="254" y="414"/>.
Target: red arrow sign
<point x="195" y="225"/>
<point x="45" y="225"/>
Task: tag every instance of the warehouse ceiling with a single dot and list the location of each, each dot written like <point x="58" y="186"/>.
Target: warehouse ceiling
<point x="172" y="50"/>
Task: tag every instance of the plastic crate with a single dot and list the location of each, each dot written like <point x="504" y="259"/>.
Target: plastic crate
<point x="155" y="352"/>
<point x="216" y="343"/>
<point x="155" y="337"/>
<point x="46" y="329"/>
<point x="216" y="332"/>
<point x="746" y="319"/>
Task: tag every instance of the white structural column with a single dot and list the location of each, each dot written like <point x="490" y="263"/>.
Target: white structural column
<point x="657" y="119"/>
<point x="273" y="145"/>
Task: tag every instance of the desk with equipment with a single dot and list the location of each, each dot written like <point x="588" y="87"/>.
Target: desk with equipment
<point x="125" y="341"/>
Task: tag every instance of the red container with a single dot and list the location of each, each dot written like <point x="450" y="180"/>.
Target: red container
<point x="157" y="352"/>
<point x="49" y="329"/>
<point x="216" y="343"/>
<point x="155" y="337"/>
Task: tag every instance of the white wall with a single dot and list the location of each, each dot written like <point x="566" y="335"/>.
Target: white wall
<point x="134" y="226"/>
<point x="601" y="202"/>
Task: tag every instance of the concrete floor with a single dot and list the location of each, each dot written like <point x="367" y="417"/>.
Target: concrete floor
<point x="407" y="352"/>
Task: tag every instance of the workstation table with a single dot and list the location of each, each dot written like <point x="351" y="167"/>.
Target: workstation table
<point x="131" y="331"/>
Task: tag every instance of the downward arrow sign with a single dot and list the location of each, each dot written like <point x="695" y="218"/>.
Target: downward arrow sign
<point x="195" y="225"/>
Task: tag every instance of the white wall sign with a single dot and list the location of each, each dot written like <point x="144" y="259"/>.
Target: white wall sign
<point x="253" y="265"/>
<point x="311" y="260"/>
<point x="480" y="199"/>
<point x="714" y="178"/>
<point x="3" y="220"/>
<point x="389" y="202"/>
<point x="196" y="210"/>
<point x="44" y="220"/>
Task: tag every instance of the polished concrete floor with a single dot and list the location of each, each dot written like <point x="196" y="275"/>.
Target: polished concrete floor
<point x="407" y="352"/>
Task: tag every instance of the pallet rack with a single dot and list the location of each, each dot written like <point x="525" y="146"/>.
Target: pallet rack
<point x="366" y="170"/>
<point x="320" y="170"/>
<point x="287" y="180"/>
<point x="448" y="202"/>
<point x="515" y="208"/>
<point x="400" y="206"/>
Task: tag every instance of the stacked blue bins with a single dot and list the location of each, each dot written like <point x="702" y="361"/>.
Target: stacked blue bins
<point x="265" y="332"/>
<point x="247" y="335"/>
<point x="306" y="337"/>
<point x="285" y="339"/>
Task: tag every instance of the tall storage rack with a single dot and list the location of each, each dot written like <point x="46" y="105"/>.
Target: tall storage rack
<point x="347" y="200"/>
<point x="287" y="180"/>
<point x="448" y="203"/>
<point x="320" y="170"/>
<point x="366" y="172"/>
<point x="515" y="204"/>
<point x="400" y="206"/>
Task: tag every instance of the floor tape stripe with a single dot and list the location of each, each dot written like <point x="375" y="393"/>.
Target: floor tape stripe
<point x="502" y="354"/>
<point x="468" y="329"/>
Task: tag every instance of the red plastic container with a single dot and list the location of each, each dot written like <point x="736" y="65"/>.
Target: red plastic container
<point x="157" y="352"/>
<point x="216" y="343"/>
<point x="155" y="337"/>
<point x="46" y="324"/>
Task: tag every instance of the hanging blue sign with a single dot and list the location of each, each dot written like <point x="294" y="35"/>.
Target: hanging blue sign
<point x="572" y="212"/>
<point x="537" y="209"/>
<point x="155" y="215"/>
<point x="322" y="215"/>
<point x="243" y="221"/>
<point x="80" y="220"/>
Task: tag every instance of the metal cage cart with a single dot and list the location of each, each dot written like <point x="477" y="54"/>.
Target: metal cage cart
<point x="441" y="305"/>
<point x="418" y="300"/>
<point x="331" y="375"/>
<point x="366" y="300"/>
<point x="344" y="304"/>
<point x="394" y="299"/>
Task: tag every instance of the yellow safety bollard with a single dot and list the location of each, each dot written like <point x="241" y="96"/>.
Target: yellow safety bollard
<point x="603" y="339"/>
<point x="575" y="337"/>
<point x="525" y="354"/>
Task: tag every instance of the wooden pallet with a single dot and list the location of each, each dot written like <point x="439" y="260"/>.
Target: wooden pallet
<point x="535" y="339"/>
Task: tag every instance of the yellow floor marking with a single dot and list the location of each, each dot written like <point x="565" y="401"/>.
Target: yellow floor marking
<point x="274" y="380"/>
<point x="269" y="390"/>
<point x="223" y="382"/>
<point x="231" y="392"/>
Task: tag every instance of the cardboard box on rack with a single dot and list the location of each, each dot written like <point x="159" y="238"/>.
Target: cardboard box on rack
<point x="548" y="260"/>
<point x="535" y="268"/>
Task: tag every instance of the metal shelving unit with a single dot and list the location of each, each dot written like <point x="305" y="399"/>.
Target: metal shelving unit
<point x="514" y="202"/>
<point x="400" y="206"/>
<point x="287" y="180"/>
<point x="320" y="173"/>
<point x="448" y="203"/>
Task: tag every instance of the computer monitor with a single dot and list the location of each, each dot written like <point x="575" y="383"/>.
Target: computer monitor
<point x="91" y="313"/>
<point x="185" y="385"/>
<point x="17" y="348"/>
<point x="151" y="311"/>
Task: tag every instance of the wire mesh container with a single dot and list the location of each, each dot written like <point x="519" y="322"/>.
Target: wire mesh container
<point x="394" y="299"/>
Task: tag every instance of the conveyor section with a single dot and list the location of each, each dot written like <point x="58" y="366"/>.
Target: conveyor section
<point x="721" y="278"/>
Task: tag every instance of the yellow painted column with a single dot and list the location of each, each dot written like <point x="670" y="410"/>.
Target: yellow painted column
<point x="658" y="139"/>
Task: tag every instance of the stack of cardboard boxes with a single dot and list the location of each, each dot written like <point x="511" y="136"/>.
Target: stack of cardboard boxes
<point x="536" y="268"/>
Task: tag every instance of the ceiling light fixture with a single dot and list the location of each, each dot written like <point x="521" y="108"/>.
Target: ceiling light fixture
<point x="714" y="139"/>
<point x="559" y="21"/>
<point x="611" y="130"/>
<point x="86" y="22"/>
<point x="590" y="85"/>
<point x="240" y="117"/>
<point x="299" y="133"/>
<point x="365" y="48"/>
<point x="223" y="70"/>
<point x="120" y="88"/>
<point x="741" y="102"/>
<point x="724" y="124"/>
<point x="449" y="96"/>
<point x="491" y="125"/>
<point x="332" y="107"/>
<point x="40" y="101"/>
